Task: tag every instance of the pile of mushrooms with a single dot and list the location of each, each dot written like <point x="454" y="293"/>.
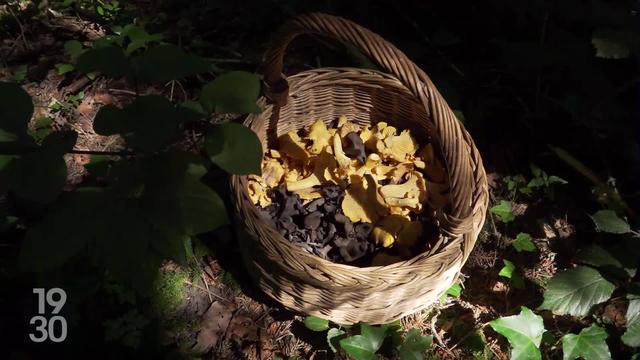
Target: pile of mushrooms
<point x="380" y="169"/>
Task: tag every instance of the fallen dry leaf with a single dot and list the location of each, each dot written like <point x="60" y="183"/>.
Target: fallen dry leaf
<point x="214" y="324"/>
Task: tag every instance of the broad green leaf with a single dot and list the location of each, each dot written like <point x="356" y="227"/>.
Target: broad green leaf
<point x="503" y="211"/>
<point x="414" y="345"/>
<point x="175" y="198"/>
<point x="590" y="344"/>
<point x="631" y="336"/>
<point x="73" y="48"/>
<point x="16" y="109"/>
<point x="60" y="235"/>
<point x="619" y="261"/>
<point x="334" y="335"/>
<point x="375" y="334"/>
<point x="556" y="180"/>
<point x="149" y="123"/>
<point x="608" y="221"/>
<point x="523" y="243"/>
<point x="524" y="333"/>
<point x="358" y="347"/>
<point x="536" y="182"/>
<point x="60" y="142"/>
<point x="109" y="60"/>
<point x="315" y="323"/>
<point x="168" y="62"/>
<point x="609" y="45"/>
<point x="138" y="37"/>
<point x="235" y="148"/>
<point x="575" y="291"/>
<point x="233" y="92"/>
<point x="62" y="69"/>
<point x="38" y="176"/>
<point x="507" y="270"/>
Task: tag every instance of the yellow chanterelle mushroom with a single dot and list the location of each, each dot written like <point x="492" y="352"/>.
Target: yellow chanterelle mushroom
<point x="320" y="137"/>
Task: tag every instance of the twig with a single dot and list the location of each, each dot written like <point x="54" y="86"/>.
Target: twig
<point x="203" y="289"/>
<point x="207" y="286"/>
<point x="22" y="150"/>
<point x="24" y="38"/>
<point x="438" y="338"/>
<point x="123" y="91"/>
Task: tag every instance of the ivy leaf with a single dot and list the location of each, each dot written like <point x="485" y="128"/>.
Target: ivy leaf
<point x="16" y="109"/>
<point x="358" y="347"/>
<point x="73" y="48"/>
<point x="504" y="211"/>
<point x="575" y="291"/>
<point x="109" y="60"/>
<point x="608" y="221"/>
<point x="315" y="323"/>
<point x="148" y="123"/>
<point x="235" y="148"/>
<point x="507" y="270"/>
<point x="631" y="336"/>
<point x="524" y="333"/>
<point x="523" y="243"/>
<point x="233" y="92"/>
<point x="334" y="335"/>
<point x="168" y="62"/>
<point x="590" y="344"/>
<point x="375" y="334"/>
<point x="414" y="345"/>
<point x="62" y="69"/>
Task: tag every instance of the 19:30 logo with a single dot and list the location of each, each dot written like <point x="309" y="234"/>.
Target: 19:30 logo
<point x="55" y="327"/>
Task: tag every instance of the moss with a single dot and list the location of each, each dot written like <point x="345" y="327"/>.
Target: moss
<point x="169" y="292"/>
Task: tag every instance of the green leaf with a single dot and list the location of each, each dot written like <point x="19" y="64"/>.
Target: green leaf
<point x="16" y="109"/>
<point x="556" y="180"/>
<point x="149" y="123"/>
<point x="109" y="60"/>
<point x="315" y="323"/>
<point x="575" y="291"/>
<point x="609" y="45"/>
<point x="524" y="333"/>
<point x="590" y="344"/>
<point x="38" y="176"/>
<point x="414" y="345"/>
<point x="631" y="336"/>
<point x="73" y="48"/>
<point x="375" y="334"/>
<point x="454" y="290"/>
<point x="168" y="62"/>
<point x="334" y="335"/>
<point x="60" y="142"/>
<point x="536" y="182"/>
<point x="358" y="347"/>
<point x="503" y="211"/>
<point x="523" y="243"/>
<point x="62" y="69"/>
<point x="42" y="128"/>
<point x="597" y="256"/>
<point x="507" y="270"/>
<point x="235" y="148"/>
<point x="233" y="92"/>
<point x="60" y="236"/>
<point x="608" y="221"/>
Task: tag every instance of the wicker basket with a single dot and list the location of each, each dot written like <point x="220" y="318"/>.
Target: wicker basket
<point x="407" y="99"/>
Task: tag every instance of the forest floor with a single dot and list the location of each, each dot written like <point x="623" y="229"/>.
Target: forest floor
<point x="211" y="309"/>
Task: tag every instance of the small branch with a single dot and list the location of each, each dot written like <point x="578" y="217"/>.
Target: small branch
<point x="23" y="150"/>
<point x="24" y="38"/>
<point x="123" y="91"/>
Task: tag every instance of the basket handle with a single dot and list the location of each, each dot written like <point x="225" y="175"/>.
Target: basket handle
<point x="456" y="144"/>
